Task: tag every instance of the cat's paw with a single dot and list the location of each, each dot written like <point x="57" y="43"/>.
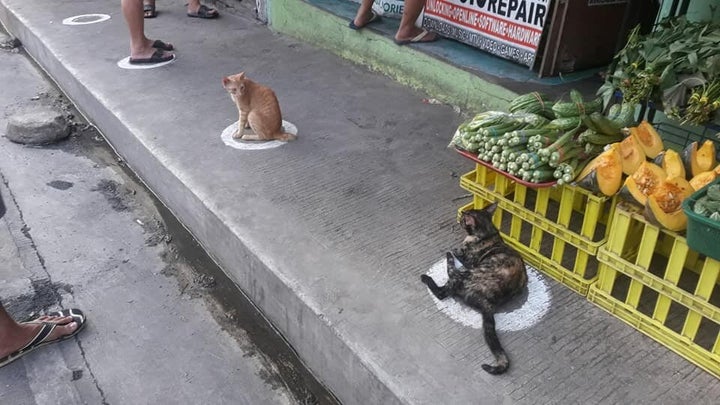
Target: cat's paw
<point x="450" y="256"/>
<point x="237" y="135"/>
<point x="427" y="280"/>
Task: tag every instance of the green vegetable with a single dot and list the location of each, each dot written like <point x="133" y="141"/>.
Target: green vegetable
<point x="534" y="102"/>
<point x="700" y="208"/>
<point x="563" y="124"/>
<point x="604" y="125"/>
<point x="576" y="107"/>
<point x="713" y="192"/>
<point x="592" y="136"/>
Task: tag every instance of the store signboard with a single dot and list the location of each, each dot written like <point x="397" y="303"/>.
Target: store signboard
<point x="605" y="2"/>
<point x="508" y="28"/>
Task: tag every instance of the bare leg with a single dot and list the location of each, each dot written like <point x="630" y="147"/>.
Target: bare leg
<point x="407" y="29"/>
<point x="363" y="14"/>
<point x="14" y="336"/>
<point x="140" y="45"/>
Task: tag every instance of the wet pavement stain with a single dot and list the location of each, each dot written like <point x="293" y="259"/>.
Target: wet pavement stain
<point x="113" y="192"/>
<point x="60" y="185"/>
<point x="45" y="295"/>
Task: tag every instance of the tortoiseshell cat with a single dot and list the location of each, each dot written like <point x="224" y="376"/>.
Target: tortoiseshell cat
<point x="491" y="274"/>
<point x="259" y="109"/>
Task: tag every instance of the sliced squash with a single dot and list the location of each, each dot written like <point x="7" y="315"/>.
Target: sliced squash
<point x="650" y="141"/>
<point x="674" y="221"/>
<point x="671" y="192"/>
<point x="703" y="179"/>
<point x="664" y="206"/>
<point x="643" y="182"/>
<point x="604" y="173"/>
<point x="671" y="162"/>
<point x="699" y="159"/>
<point x="632" y="155"/>
<point x="717" y="170"/>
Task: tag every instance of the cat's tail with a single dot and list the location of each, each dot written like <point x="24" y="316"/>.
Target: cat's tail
<point x="491" y="338"/>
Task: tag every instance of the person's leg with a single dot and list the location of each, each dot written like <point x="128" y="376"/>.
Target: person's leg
<point x="14" y="336"/>
<point x="194" y="6"/>
<point x="364" y="13"/>
<point x="140" y="46"/>
<point x="407" y="29"/>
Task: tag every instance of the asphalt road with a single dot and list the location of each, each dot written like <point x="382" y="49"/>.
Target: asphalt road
<point x="165" y="325"/>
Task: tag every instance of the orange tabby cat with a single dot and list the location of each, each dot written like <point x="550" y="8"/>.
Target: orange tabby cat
<point x="258" y="107"/>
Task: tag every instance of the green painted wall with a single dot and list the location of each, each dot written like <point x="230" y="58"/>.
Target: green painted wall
<point x="415" y="69"/>
<point x="698" y="10"/>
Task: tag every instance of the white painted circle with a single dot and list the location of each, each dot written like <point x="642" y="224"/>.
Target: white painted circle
<point x="125" y="64"/>
<point x="227" y="138"/>
<point x="507" y="318"/>
<point x="85" y="19"/>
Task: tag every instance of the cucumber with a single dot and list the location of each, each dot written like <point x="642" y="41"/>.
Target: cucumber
<point x="605" y="125"/>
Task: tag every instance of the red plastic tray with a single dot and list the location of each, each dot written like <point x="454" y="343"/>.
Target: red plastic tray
<point x="475" y="159"/>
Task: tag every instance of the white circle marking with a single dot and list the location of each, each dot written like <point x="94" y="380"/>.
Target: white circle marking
<point x="532" y="310"/>
<point x="227" y="138"/>
<point x="125" y="64"/>
<point x="85" y="19"/>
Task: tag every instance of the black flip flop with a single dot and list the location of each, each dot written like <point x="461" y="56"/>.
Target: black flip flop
<point x="158" y="44"/>
<point x="47" y="327"/>
<point x="149" y="8"/>
<point x="373" y="18"/>
<point x="156" y="57"/>
<point x="205" y="12"/>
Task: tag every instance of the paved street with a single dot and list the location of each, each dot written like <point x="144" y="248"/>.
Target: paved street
<point x="165" y="325"/>
<point x="328" y="235"/>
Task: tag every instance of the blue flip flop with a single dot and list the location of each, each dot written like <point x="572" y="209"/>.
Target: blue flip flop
<point x="373" y="18"/>
<point x="47" y="327"/>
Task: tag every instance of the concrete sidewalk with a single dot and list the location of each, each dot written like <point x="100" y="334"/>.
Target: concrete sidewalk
<point x="329" y="234"/>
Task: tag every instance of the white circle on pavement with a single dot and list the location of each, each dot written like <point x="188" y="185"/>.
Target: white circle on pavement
<point x="521" y="313"/>
<point x="125" y="64"/>
<point x="227" y="138"/>
<point x="85" y="19"/>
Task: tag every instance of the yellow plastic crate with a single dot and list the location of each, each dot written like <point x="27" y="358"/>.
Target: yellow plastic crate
<point x="649" y="278"/>
<point x="571" y="213"/>
<point x="572" y="266"/>
<point x="556" y="229"/>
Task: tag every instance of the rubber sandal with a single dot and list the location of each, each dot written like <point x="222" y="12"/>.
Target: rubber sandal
<point x="373" y="18"/>
<point x="158" y="44"/>
<point x="417" y="39"/>
<point x="149" y="8"/>
<point x="205" y="12"/>
<point x="47" y="327"/>
<point x="156" y="57"/>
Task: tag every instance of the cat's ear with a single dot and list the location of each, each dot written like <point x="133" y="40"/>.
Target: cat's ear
<point x="241" y="75"/>
<point x="226" y="81"/>
<point x="490" y="209"/>
<point x="468" y="220"/>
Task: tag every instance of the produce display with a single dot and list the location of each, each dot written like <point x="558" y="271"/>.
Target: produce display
<point x="541" y="141"/>
<point x="676" y="67"/>
<point x="660" y="185"/>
